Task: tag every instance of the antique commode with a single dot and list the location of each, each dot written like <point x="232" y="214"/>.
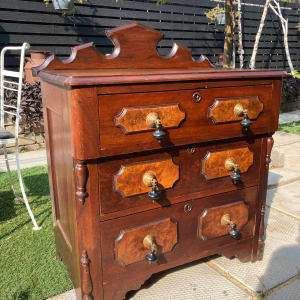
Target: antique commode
<point x="154" y="161"/>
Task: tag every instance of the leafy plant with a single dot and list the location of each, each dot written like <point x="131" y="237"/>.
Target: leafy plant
<point x="31" y="103"/>
<point x="213" y="13"/>
<point x="291" y="86"/>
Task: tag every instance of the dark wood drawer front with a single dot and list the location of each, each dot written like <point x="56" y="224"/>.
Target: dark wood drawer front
<point x="181" y="174"/>
<point x="187" y="116"/>
<point x="176" y="231"/>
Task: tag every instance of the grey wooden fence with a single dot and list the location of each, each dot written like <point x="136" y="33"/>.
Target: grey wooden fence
<point x="182" y="21"/>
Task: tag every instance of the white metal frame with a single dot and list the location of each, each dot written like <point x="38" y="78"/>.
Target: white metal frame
<point x="7" y="109"/>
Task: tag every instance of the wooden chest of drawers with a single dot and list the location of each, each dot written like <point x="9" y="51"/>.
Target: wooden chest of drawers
<point x="154" y="161"/>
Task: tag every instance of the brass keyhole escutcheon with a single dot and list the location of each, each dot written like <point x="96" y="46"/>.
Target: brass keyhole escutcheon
<point x="196" y="97"/>
<point x="187" y="208"/>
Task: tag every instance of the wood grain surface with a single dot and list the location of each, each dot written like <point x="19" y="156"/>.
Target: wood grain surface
<point x="210" y="221"/>
<point x="189" y="244"/>
<point x="192" y="183"/>
<point x="196" y="127"/>
<point x="133" y="119"/>
<point x="129" y="244"/>
<point x="129" y="180"/>
<point x="144" y="53"/>
<point x="213" y="164"/>
<point x="222" y="110"/>
<point x="101" y="242"/>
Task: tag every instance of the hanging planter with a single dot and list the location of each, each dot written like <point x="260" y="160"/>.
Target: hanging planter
<point x="220" y="18"/>
<point x="63" y="5"/>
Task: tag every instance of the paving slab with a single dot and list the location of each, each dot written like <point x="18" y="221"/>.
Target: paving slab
<point x="70" y="295"/>
<point x="195" y="281"/>
<point x="291" y="156"/>
<point x="27" y="160"/>
<point x="289" y="292"/>
<point x="282" y="138"/>
<point x="289" y="117"/>
<point x="286" y="199"/>
<point x="281" y="176"/>
<point x="281" y="256"/>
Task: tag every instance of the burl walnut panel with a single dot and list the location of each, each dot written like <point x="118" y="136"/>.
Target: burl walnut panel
<point x="133" y="119"/>
<point x="129" y="180"/>
<point x="129" y="245"/>
<point x="213" y="164"/>
<point x="210" y="221"/>
<point x="222" y="110"/>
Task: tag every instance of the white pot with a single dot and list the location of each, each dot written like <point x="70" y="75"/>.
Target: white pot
<point x="220" y="20"/>
<point x="63" y="5"/>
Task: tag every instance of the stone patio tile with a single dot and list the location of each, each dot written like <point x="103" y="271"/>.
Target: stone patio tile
<point x="291" y="156"/>
<point x="27" y="160"/>
<point x="70" y="295"/>
<point x="289" y="117"/>
<point x="282" y="138"/>
<point x="281" y="256"/>
<point x="289" y="292"/>
<point x="286" y="199"/>
<point x="195" y="281"/>
<point x="281" y="176"/>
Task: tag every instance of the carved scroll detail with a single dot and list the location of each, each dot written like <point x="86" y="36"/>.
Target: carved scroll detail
<point x="81" y="176"/>
<point x="135" y="46"/>
<point x="270" y="143"/>
<point x="86" y="280"/>
<point x="261" y="237"/>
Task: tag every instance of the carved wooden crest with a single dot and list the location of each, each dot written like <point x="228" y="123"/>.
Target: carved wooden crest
<point x="135" y="47"/>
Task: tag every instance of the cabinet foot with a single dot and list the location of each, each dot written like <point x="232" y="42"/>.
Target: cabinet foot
<point x="117" y="290"/>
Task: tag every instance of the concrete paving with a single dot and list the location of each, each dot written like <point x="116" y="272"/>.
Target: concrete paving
<point x="289" y="117"/>
<point x="27" y="160"/>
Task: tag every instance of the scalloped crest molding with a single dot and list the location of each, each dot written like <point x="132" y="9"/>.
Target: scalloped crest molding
<point x="135" y="48"/>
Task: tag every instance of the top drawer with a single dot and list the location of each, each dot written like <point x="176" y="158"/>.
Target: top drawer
<point x="128" y="121"/>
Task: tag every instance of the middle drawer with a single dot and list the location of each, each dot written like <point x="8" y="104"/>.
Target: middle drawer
<point x="176" y="175"/>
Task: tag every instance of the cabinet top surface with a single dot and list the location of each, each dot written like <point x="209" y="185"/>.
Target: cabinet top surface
<point x="135" y="59"/>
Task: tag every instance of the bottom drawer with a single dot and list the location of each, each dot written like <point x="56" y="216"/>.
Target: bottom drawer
<point x="173" y="233"/>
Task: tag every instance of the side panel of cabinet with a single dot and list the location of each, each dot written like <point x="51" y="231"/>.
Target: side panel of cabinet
<point x="60" y="165"/>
